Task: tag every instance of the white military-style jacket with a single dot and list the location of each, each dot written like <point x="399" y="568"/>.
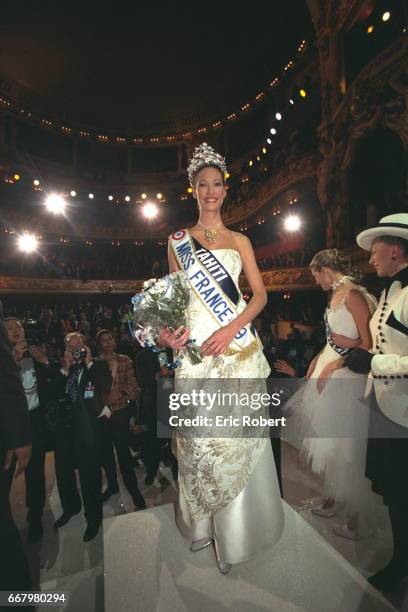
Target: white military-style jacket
<point x="389" y="366"/>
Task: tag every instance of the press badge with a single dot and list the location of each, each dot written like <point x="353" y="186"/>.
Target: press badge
<point x="89" y="391"/>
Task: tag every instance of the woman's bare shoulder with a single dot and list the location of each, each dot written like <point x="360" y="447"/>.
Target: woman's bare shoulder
<point x="240" y="239"/>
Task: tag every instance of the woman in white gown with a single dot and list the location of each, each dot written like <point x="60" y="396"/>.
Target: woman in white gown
<point x="333" y="416"/>
<point x="228" y="487"/>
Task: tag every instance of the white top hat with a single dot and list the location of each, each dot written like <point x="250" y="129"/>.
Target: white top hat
<point x="391" y="225"/>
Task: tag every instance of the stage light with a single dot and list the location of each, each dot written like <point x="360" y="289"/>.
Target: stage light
<point x="190" y="190"/>
<point x="273" y="131"/>
<point x="264" y="151"/>
<point x="127" y="198"/>
<point x="386" y="16"/>
<point x="159" y="196"/>
<point x="91" y="196"/>
<point x="150" y="210"/>
<point x="144" y="196"/>
<point x="302" y="93"/>
<point x="251" y="163"/>
<point x="278" y="116"/>
<point x="227" y="175"/>
<point x="16" y="177"/>
<point x="292" y="223"/>
<point x="73" y="193"/>
<point x="291" y="101"/>
<point x="370" y="29"/>
<point x="269" y="141"/>
<point x="110" y="197"/>
<point x="55" y="204"/>
<point x="36" y="182"/>
<point x="27" y="243"/>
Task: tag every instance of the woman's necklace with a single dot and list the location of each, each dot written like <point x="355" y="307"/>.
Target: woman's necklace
<point x="210" y="233"/>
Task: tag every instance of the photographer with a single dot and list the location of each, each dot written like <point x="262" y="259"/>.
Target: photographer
<point x="83" y="383"/>
<point x="35" y="374"/>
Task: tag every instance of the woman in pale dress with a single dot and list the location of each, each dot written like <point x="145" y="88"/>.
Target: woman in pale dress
<point x="332" y="400"/>
<point x="228" y="488"/>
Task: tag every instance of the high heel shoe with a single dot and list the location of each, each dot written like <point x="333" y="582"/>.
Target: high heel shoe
<point x="200" y="544"/>
<point x="223" y="566"/>
<point x="328" y="512"/>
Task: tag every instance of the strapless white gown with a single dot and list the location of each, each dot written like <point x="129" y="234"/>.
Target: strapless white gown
<point x="228" y="487"/>
<point x="339" y="411"/>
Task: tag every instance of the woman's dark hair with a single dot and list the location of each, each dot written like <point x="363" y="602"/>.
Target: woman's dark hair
<point x="101" y="333"/>
<point x="334" y="260"/>
<point x="394" y="241"/>
<point x="195" y="175"/>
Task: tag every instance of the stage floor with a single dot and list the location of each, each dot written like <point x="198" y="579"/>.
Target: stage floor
<point x="148" y="567"/>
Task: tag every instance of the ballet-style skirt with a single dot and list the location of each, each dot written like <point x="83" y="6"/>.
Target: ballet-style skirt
<point x="331" y="427"/>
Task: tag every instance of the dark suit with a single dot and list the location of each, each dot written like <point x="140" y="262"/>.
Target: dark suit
<point x="147" y="366"/>
<point x="77" y="442"/>
<point x="35" y="472"/>
<point x="14" y="433"/>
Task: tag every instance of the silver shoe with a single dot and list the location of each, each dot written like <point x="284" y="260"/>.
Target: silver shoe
<point x="200" y="544"/>
<point x="223" y="566"/>
<point x="325" y="512"/>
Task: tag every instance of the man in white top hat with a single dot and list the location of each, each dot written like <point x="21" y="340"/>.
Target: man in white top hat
<point x="387" y="364"/>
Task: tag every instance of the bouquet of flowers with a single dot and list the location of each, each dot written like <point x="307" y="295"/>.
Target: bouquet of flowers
<point x="163" y="303"/>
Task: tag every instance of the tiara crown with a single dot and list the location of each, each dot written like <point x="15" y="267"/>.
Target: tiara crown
<point x="205" y="155"/>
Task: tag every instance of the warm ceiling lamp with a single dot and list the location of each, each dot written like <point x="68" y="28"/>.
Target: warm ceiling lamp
<point x="55" y="204"/>
<point x="16" y="177"/>
<point x="144" y="196"/>
<point x="386" y="16"/>
<point x="302" y="93"/>
<point x="27" y="243"/>
<point x="292" y="223"/>
<point x="150" y="210"/>
<point x="370" y="29"/>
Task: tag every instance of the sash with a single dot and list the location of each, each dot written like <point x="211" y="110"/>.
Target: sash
<point x="213" y="285"/>
<point x="339" y="349"/>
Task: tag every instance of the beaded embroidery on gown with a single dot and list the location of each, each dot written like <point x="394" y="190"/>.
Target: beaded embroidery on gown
<point x="228" y="487"/>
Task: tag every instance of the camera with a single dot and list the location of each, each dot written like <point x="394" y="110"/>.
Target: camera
<point x="34" y="333"/>
<point x="78" y="355"/>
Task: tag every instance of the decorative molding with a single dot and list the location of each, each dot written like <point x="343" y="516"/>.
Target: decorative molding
<point x="277" y="279"/>
<point x="51" y="285"/>
<point x="366" y="105"/>
<point x="288" y="279"/>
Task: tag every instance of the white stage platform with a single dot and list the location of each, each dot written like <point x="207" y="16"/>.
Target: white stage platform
<point x="148" y="567"/>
